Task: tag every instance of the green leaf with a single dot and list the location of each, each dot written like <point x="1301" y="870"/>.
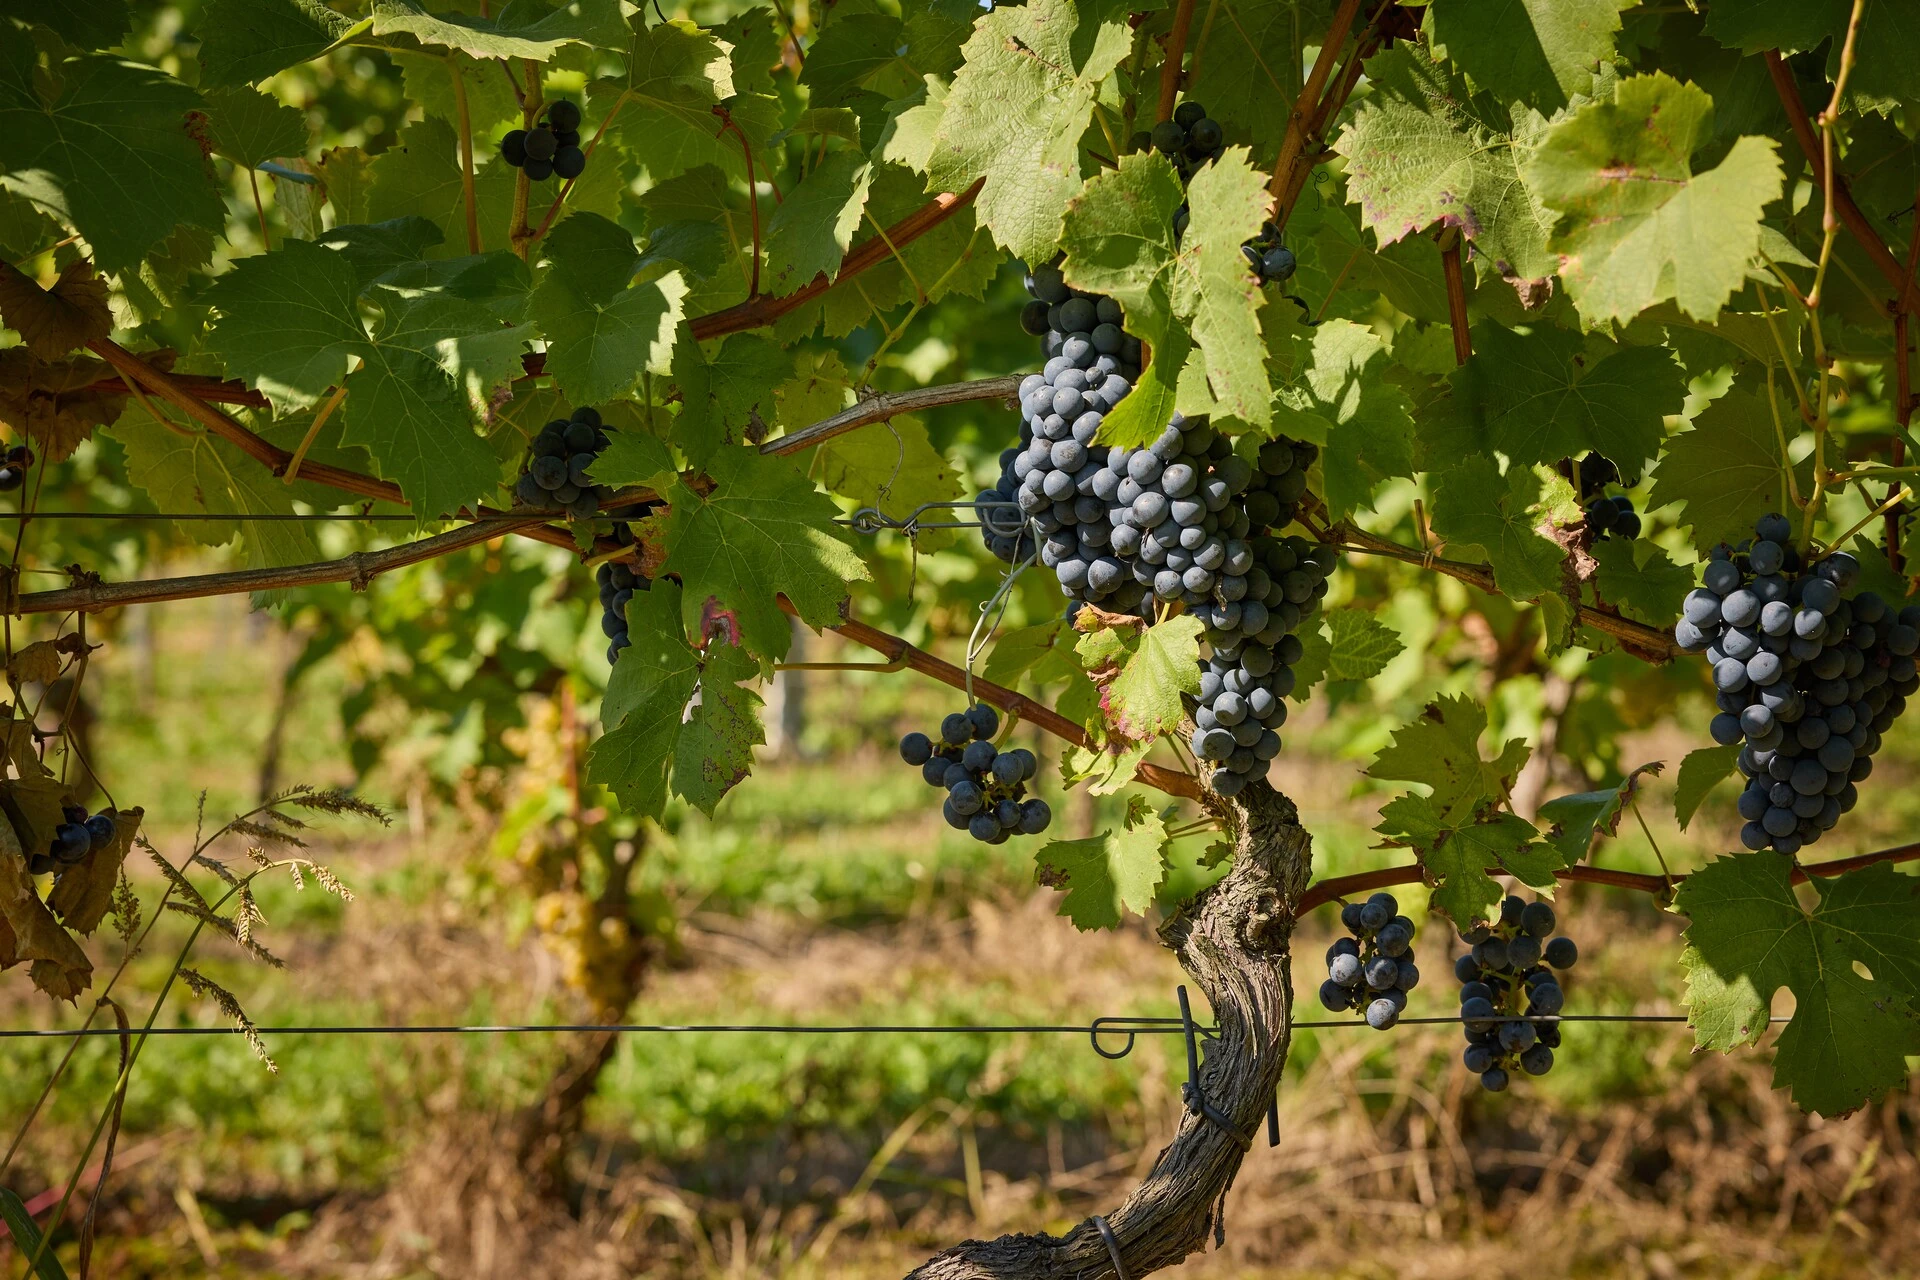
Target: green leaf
<point x="727" y="398"/>
<point x="22" y="1227"/>
<point x="1142" y="416"/>
<point x="894" y="467"/>
<point x="246" y="40"/>
<point x="1637" y="225"/>
<point x="1216" y="294"/>
<point x="1886" y="50"/>
<point x="1542" y="52"/>
<point x="414" y="421"/>
<point x="1242" y="75"/>
<point x="377" y="248"/>
<point x="1728" y="469"/>
<point x="106" y="153"/>
<point x="1460" y="854"/>
<point x="1546" y="395"/>
<point x="1441" y="750"/>
<point x="1142" y="674"/>
<point x="1107" y="875"/>
<point x="1475" y="508"/>
<point x="1118" y="237"/>
<point x="666" y="121"/>
<point x="1422" y="152"/>
<point x="763" y="531"/>
<point x="288" y="322"/>
<point x="1345" y="404"/>
<point x="810" y="232"/>
<point x="1851" y="1031"/>
<point x="1701" y="770"/>
<point x="249" y="126"/>
<point x="1038" y="650"/>
<point x="857" y="54"/>
<point x="603" y="331"/>
<point x="1361" y="646"/>
<point x="97" y="24"/>
<point x="635" y="458"/>
<point x="1638" y="577"/>
<point x="524" y="29"/>
<point x="716" y="744"/>
<point x="1016" y="110"/>
<point x="348" y="175"/>
<point x="1576" y="818"/>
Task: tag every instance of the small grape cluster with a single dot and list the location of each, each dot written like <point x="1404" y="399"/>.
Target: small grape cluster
<point x="1606" y="516"/>
<point x="1190" y="139"/>
<point x="73" y="839"/>
<point x="1509" y="975"/>
<point x="986" y="788"/>
<point x="13" y="468"/>
<point x="618" y="582"/>
<point x="1374" y="969"/>
<point x="557" y="468"/>
<point x="1806" y="679"/>
<point x="551" y="147"/>
<point x="1271" y="260"/>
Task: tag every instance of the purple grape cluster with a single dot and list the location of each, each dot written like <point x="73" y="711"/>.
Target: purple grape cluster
<point x="1507" y="976"/>
<point x="1373" y="970"/>
<point x="1269" y="257"/>
<point x="986" y="788"/>
<point x="1606" y="516"/>
<point x="1806" y="679"/>
<point x="551" y="147"/>
<point x="73" y="839"/>
<point x="1191" y="139"/>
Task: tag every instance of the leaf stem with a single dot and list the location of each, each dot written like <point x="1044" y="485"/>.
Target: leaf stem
<point x="464" y="121"/>
<point x="1176" y="52"/>
<point x="292" y="472"/>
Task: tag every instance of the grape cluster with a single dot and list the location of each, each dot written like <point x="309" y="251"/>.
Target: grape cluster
<point x="13" y="468"/>
<point x="73" y="839"/>
<point x="986" y="788"/>
<point x="551" y="146"/>
<point x="618" y="582"/>
<point x="1374" y="969"/>
<point x="556" y="472"/>
<point x="1807" y="679"/>
<point x="1271" y="260"/>
<point x="1509" y="975"/>
<point x="1190" y="139"/>
<point x="1605" y="515"/>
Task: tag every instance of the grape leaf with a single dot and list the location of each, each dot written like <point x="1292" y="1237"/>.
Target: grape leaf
<point x="1344" y="404"/>
<point x="894" y="467"/>
<point x="762" y="531"/>
<point x="1118" y="237"/>
<point x="1728" y="470"/>
<point x="666" y="121"/>
<point x="1217" y="295"/>
<point x="817" y="389"/>
<point x="1577" y="817"/>
<point x="603" y="331"/>
<point x="1542" y="396"/>
<point x="1441" y="750"/>
<point x="635" y="458"/>
<point x="1542" y="52"/>
<point x="249" y="127"/>
<point x="105" y="153"/>
<point x="377" y="248"/>
<point x="1475" y="508"/>
<point x="347" y="173"/>
<point x="651" y="736"/>
<point x="1361" y="645"/>
<point x="1422" y="151"/>
<point x="857" y="54"/>
<point x="1142" y="416"/>
<point x="413" y="420"/>
<point x="246" y="40"/>
<point x="1459" y="854"/>
<point x="1016" y="110"/>
<point x="1851" y="1031"/>
<point x="809" y="233"/>
<point x="728" y="397"/>
<point x="52" y="322"/>
<point x="479" y="346"/>
<point x="1701" y="770"/>
<point x="1316" y="656"/>
<point x="1037" y="649"/>
<point x="1142" y="673"/>
<point x="1637" y="577"/>
<point x="1106" y="875"/>
<point x="98" y="24"/>
<point x="1886" y="49"/>
<point x="1637" y="225"/>
<point x="28" y="931"/>
<point x="524" y="29"/>
<point x="288" y="322"/>
<point x="1247" y="51"/>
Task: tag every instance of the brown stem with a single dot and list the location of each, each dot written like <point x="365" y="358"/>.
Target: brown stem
<point x="753" y="195"/>
<point x="1307" y="105"/>
<point x="211" y="389"/>
<point x="1171" y="781"/>
<point x="764" y="310"/>
<point x="1903" y="415"/>
<point x="1234" y="939"/>
<point x="465" y="123"/>
<point x="1906" y="292"/>
<point x="1176" y="53"/>
<point x="259" y="210"/>
<point x="519" y="235"/>
<point x="1323" y="113"/>
<point x="1456" y="295"/>
<point x="885" y="405"/>
<point x="359" y="568"/>
<point x="1338" y="887"/>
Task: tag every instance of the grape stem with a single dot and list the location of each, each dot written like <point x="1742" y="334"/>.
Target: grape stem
<point x="464" y="121"/>
<point x="1176" y="54"/>
<point x="1308" y="103"/>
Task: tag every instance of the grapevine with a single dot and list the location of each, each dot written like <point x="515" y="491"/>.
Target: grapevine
<point x="1509" y="992"/>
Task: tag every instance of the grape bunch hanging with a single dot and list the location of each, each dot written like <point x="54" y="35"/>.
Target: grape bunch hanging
<point x="1272" y="262"/>
<point x="1190" y="139"/>
<point x="1508" y="977"/>
<point x="78" y="835"/>
<point x="986" y="788"/>
<point x="551" y="147"/>
<point x="13" y="467"/>
<point x="1373" y="970"/>
<point x="1806" y="679"/>
<point x="558" y="467"/>
<point x="1606" y="516"/>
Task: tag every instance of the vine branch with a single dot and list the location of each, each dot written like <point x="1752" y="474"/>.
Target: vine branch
<point x="885" y="405"/>
<point x="1307" y="106"/>
<point x="1176" y="53"/>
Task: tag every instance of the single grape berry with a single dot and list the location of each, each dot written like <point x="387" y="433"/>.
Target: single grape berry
<point x="513" y="147"/>
<point x="563" y="115"/>
<point x="569" y="162"/>
<point x="540" y="144"/>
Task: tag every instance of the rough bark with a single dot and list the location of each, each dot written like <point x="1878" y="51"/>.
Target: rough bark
<point x="1233" y="940"/>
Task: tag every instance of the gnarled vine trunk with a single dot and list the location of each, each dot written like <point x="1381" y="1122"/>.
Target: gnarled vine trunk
<point x="1233" y="939"/>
